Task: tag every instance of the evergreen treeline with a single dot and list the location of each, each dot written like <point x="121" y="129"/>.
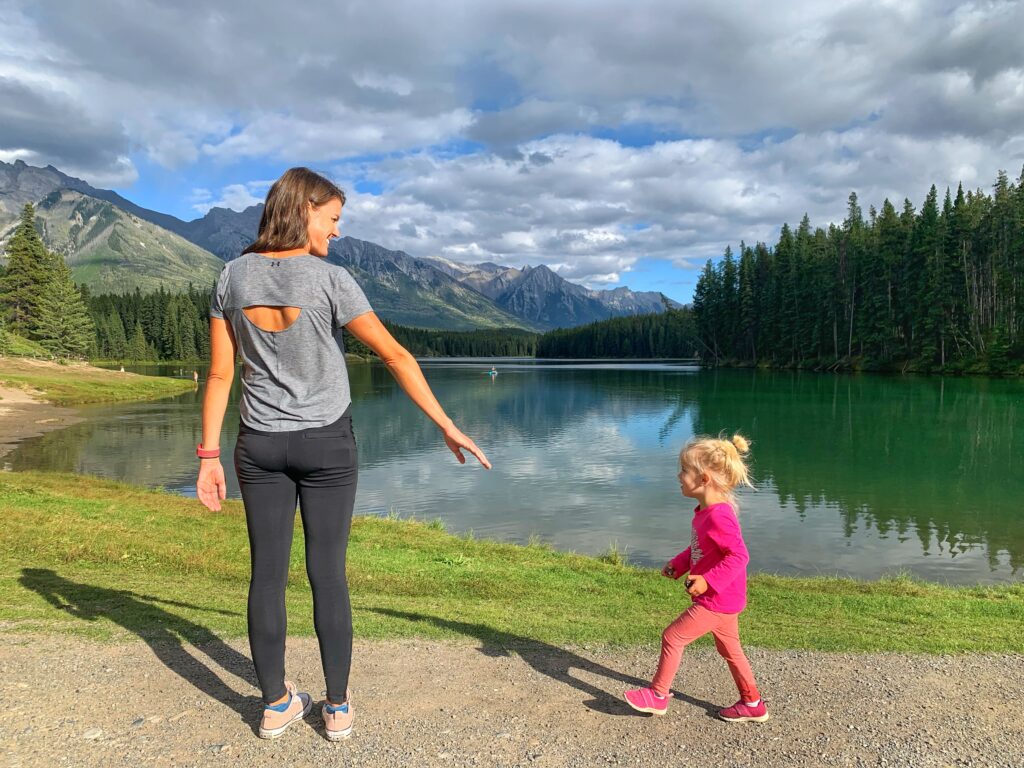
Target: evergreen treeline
<point x="490" y="342"/>
<point x="666" y="334"/>
<point x="154" y="326"/>
<point x="38" y="298"/>
<point x="166" y="326"/>
<point x="940" y="289"/>
<point x="424" y="342"/>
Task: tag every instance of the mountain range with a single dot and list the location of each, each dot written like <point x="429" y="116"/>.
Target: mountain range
<point x="114" y="245"/>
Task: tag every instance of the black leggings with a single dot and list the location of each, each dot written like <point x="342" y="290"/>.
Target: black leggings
<point x="318" y="467"/>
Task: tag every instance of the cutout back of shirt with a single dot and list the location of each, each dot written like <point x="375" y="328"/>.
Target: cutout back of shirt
<point x="272" y="319"/>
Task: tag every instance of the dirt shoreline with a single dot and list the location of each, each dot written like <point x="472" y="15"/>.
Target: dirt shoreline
<point x="78" y="702"/>
<point x="24" y="414"/>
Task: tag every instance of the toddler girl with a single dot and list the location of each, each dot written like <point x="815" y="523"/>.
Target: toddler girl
<point x="716" y="562"/>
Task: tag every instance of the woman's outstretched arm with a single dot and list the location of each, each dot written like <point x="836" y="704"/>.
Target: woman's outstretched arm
<point x="211" y="486"/>
<point x="403" y="366"/>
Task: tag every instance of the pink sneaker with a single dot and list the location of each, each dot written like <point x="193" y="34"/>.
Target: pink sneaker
<point x="277" y="718"/>
<point x="741" y="713"/>
<point x="338" y="719"/>
<point x="645" y="700"/>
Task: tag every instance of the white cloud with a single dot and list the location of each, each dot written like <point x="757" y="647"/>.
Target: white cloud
<point x="399" y="86"/>
<point x="10" y="155"/>
<point x="237" y="197"/>
<point x="478" y="121"/>
<point x="340" y="133"/>
<point x="682" y="200"/>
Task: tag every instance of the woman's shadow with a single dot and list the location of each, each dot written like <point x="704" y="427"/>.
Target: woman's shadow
<point x="164" y="632"/>
<point x="557" y="663"/>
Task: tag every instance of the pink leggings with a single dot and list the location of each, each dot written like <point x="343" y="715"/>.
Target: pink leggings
<point x="696" y="622"/>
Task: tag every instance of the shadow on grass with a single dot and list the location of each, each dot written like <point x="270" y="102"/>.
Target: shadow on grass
<point x="164" y="632"/>
<point x="557" y="663"/>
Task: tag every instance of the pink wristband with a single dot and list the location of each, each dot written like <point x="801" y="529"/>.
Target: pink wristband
<point x="203" y="453"/>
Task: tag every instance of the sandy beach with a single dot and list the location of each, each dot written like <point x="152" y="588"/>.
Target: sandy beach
<point x="24" y="414"/>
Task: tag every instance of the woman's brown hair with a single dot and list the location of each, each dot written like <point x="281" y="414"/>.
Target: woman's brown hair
<point x="285" y="220"/>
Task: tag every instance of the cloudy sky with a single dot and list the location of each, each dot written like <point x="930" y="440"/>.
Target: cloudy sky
<point x="621" y="143"/>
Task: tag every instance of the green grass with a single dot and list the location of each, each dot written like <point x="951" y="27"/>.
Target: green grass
<point x="102" y="559"/>
<point x="76" y="384"/>
<point x="19" y="346"/>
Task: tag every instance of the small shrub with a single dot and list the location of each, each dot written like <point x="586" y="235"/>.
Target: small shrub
<point x="614" y="556"/>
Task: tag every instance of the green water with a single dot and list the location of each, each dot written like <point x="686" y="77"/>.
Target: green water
<point x="856" y="475"/>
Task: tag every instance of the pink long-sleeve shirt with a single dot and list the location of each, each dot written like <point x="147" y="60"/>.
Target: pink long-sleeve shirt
<point x="717" y="553"/>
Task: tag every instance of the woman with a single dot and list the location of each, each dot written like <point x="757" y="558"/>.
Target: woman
<point x="282" y="306"/>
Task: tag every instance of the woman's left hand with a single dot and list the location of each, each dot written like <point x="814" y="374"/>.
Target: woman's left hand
<point x="211" y="487"/>
<point x="698" y="586"/>
<point x="456" y="441"/>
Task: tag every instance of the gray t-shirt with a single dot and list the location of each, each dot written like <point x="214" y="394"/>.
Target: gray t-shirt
<point x="295" y="378"/>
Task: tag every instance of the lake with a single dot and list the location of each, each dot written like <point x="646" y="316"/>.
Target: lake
<point x="857" y="475"/>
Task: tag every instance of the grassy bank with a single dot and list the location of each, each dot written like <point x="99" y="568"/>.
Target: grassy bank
<point x="22" y="347"/>
<point x="92" y="557"/>
<point x="78" y="383"/>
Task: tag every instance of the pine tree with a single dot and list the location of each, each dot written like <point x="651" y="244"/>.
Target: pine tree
<point x="152" y="316"/>
<point x="63" y="325"/>
<point x="787" y="279"/>
<point x="909" y="274"/>
<point x="803" y="293"/>
<point x="851" y="250"/>
<point x="137" y="348"/>
<point x="927" y="256"/>
<point x="729" y="308"/>
<point x="170" y="334"/>
<point x="25" y="278"/>
<point x="192" y="329"/>
<point x="764" y="300"/>
<point x="705" y="301"/>
<point x="958" y="248"/>
<point x="887" y="243"/>
<point x="188" y="328"/>
<point x="117" y="343"/>
<point x="748" y="305"/>
<point x="5" y="339"/>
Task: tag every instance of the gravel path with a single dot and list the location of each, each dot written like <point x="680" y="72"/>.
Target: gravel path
<point x="73" y="702"/>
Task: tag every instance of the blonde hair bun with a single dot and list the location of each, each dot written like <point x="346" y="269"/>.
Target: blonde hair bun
<point x="724" y="460"/>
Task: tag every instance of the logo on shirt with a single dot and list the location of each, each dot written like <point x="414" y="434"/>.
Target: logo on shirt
<point x="695" y="551"/>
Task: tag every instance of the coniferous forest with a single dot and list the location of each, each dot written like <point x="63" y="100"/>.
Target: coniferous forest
<point x="935" y="289"/>
<point x="667" y="334"/>
<point x="152" y="326"/>
<point x="489" y="342"/>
